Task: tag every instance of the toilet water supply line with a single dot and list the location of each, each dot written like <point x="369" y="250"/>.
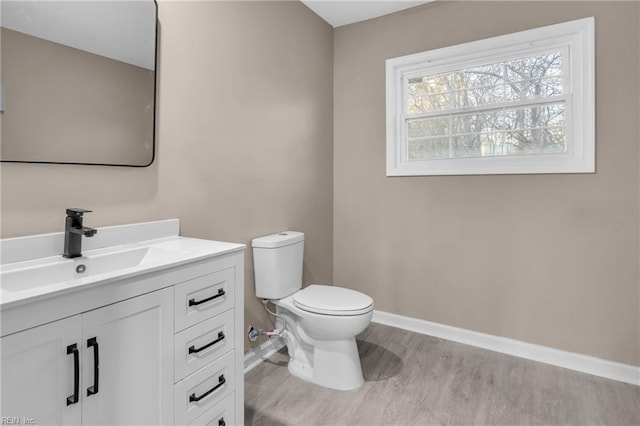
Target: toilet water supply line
<point x="255" y="333"/>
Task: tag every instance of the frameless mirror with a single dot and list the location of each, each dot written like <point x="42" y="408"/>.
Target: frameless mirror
<point x="78" y="82"/>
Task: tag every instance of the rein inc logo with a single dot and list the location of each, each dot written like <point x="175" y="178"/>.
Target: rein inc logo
<point x="17" y="420"/>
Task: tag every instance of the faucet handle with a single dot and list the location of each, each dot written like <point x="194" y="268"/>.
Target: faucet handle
<point x="76" y="212"/>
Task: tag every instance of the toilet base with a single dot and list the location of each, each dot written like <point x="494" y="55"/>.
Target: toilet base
<point x="336" y="365"/>
<point x="322" y="348"/>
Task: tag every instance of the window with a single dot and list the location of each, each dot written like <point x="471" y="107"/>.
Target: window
<point x="520" y="103"/>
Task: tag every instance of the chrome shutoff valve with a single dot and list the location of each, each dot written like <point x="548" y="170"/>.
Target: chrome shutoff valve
<point x="253" y="334"/>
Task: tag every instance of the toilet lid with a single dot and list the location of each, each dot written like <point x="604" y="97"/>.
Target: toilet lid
<point x="330" y="300"/>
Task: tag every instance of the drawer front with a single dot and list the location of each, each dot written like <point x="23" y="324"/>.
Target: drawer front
<point x="197" y="346"/>
<point x="203" y="297"/>
<point x="220" y="415"/>
<point x="204" y="389"/>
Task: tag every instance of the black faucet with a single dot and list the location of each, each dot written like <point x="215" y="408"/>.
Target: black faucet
<point x="73" y="232"/>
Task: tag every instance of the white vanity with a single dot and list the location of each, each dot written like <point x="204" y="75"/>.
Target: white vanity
<point x="144" y="328"/>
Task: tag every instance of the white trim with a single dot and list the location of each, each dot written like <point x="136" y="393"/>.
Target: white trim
<point x="573" y="361"/>
<point x="259" y="354"/>
<point x="575" y="38"/>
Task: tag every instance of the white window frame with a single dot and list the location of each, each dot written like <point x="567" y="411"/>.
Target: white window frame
<point x="575" y="38"/>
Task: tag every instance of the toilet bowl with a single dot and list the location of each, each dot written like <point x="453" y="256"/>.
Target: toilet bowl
<point x="322" y="345"/>
<point x="321" y="321"/>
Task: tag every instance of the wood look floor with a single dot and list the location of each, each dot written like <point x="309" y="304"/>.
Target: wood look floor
<point x="413" y="379"/>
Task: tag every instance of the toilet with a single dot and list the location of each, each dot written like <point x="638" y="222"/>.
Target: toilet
<point x="321" y="321"/>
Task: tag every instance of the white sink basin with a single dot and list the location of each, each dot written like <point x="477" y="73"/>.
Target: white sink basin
<point x="58" y="269"/>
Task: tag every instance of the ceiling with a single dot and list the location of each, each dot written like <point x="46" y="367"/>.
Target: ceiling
<point x="344" y="12"/>
<point x="59" y="21"/>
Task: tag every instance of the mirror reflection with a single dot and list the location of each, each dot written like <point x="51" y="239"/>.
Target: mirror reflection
<point x="78" y="82"/>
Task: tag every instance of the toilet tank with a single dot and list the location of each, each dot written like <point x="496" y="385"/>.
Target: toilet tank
<point x="277" y="262"/>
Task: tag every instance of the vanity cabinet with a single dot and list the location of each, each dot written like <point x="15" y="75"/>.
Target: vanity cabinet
<point x="38" y="374"/>
<point x="205" y="348"/>
<point x="120" y="356"/>
<point x="131" y="342"/>
<point x="163" y="347"/>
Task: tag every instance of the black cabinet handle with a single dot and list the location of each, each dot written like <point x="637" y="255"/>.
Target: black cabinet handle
<point x="192" y="302"/>
<point x="193" y="350"/>
<point x="93" y="342"/>
<point x="221" y="422"/>
<point x="221" y="381"/>
<point x="73" y="349"/>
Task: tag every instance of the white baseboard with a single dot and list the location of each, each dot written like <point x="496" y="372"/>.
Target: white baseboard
<point x="573" y="361"/>
<point x="258" y="354"/>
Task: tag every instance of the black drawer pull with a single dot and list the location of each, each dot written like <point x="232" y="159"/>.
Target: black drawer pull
<point x="93" y="342"/>
<point x="221" y="422"/>
<point x="221" y="382"/>
<point x="193" y="350"/>
<point x="192" y="302"/>
<point x="73" y="349"/>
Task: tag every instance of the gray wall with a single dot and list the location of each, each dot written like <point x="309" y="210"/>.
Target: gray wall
<point x="547" y="259"/>
<point x="245" y="149"/>
<point x="244" y="142"/>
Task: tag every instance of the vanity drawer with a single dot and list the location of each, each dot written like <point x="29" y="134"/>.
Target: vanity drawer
<point x="204" y="389"/>
<point x="203" y="297"/>
<point x="220" y="415"/>
<point x="197" y="346"/>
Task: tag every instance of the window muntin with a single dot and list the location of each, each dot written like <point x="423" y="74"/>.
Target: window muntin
<point x="508" y="131"/>
<point x="531" y="77"/>
<point x="518" y="109"/>
<point x="519" y="103"/>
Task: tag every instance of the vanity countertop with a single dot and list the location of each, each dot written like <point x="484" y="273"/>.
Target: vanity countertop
<point x="127" y="259"/>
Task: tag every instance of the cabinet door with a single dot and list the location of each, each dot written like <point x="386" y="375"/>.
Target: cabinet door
<point x="38" y="374"/>
<point x="133" y="343"/>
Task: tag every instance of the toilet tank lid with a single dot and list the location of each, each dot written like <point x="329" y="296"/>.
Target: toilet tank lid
<point x="280" y="239"/>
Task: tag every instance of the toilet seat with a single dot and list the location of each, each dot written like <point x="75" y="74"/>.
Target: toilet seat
<point x="331" y="300"/>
